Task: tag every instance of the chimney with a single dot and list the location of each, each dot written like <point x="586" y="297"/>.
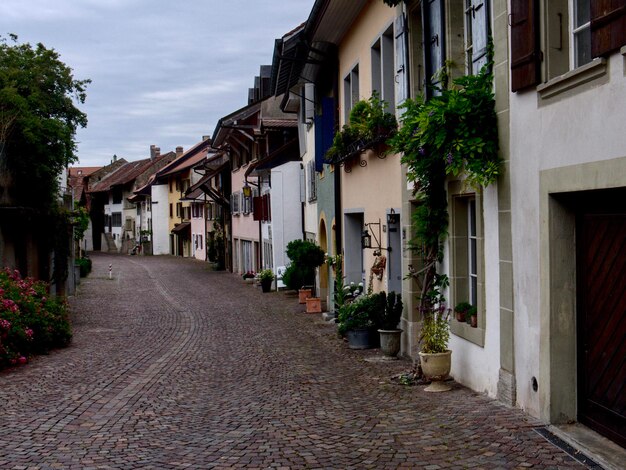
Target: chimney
<point x="152" y="152"/>
<point x="179" y="151"/>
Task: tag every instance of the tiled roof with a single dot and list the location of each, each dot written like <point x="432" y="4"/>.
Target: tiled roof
<point x="123" y="175"/>
<point x="76" y="179"/>
<point x="191" y="157"/>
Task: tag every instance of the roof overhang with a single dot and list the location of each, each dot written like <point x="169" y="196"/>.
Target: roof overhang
<point x="288" y="152"/>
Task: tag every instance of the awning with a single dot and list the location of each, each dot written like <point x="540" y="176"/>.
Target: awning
<point x="182" y="227"/>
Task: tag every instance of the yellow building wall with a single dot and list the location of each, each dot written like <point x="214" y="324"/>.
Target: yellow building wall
<point x="376" y="187"/>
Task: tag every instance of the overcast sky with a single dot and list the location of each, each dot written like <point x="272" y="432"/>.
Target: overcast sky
<point x="164" y="72"/>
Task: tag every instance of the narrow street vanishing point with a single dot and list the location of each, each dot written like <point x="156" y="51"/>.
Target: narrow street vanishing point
<point x="173" y="365"/>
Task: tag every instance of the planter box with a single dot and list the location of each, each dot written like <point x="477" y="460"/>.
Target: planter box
<point x="304" y="294"/>
<point x="313" y="305"/>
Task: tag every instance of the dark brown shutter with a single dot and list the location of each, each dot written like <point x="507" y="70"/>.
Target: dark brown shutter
<point x="525" y="54"/>
<point x="257" y="208"/>
<point x="608" y="26"/>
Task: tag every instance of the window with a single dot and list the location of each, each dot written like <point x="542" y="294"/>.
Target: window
<point x="171" y="210"/>
<point x="116" y="219"/>
<point x="350" y="92"/>
<point x="200" y="242"/>
<point x="472" y="267"/>
<point x="179" y="207"/>
<point x="466" y="259"/>
<point x="117" y="196"/>
<point x="434" y="43"/>
<point x="383" y="73"/>
<point x="573" y="33"/>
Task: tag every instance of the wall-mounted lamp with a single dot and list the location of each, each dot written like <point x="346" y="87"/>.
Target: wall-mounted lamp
<point x="247" y="190"/>
<point x="392" y="217"/>
<point x="366" y="239"/>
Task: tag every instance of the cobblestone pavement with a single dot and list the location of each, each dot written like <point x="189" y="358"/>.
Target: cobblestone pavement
<point x="175" y="366"/>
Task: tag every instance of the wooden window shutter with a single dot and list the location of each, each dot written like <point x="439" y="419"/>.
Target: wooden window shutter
<point x="257" y="208"/>
<point x="324" y="131"/>
<point x="525" y="54"/>
<point x="401" y="75"/>
<point x="608" y="26"/>
<point x="267" y="213"/>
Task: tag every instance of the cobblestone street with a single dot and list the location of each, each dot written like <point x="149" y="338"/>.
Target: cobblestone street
<point x="175" y="366"/>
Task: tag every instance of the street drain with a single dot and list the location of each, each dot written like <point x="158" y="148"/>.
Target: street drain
<point x="568" y="449"/>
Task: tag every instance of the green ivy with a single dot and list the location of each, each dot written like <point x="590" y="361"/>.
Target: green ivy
<point x="454" y="133"/>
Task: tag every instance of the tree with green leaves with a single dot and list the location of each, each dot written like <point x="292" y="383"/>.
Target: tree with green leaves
<point x="38" y="120"/>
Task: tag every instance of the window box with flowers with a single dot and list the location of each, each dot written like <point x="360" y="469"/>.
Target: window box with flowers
<point x="369" y="127"/>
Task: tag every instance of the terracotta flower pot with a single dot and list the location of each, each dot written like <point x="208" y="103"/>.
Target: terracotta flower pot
<point x="313" y="305"/>
<point x="304" y="294"/>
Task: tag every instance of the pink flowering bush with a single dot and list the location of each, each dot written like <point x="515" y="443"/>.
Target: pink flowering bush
<point x="31" y="322"/>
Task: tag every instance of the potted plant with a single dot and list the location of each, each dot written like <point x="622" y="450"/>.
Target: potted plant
<point x="388" y="330"/>
<point x="359" y="320"/>
<point x="473" y="316"/>
<point x="355" y="324"/>
<point x="267" y="277"/>
<point x="369" y="126"/>
<point x="305" y="258"/>
<point x="248" y="276"/>
<point x="461" y="310"/>
<point x="435" y="357"/>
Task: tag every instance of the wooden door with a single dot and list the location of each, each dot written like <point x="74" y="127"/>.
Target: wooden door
<point x="602" y="324"/>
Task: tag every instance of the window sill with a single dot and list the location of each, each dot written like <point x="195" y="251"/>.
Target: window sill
<point x="465" y="331"/>
<point x="574" y="78"/>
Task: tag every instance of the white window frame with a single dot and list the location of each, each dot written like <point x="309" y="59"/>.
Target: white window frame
<point x="575" y="33"/>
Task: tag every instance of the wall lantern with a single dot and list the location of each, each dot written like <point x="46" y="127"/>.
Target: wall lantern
<point x="366" y="239"/>
<point x="247" y="190"/>
<point x="392" y="217"/>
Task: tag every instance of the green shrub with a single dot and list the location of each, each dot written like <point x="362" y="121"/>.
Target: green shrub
<point x="85" y="266"/>
<point x="31" y="322"/>
<point x="305" y="257"/>
<point x="366" y="311"/>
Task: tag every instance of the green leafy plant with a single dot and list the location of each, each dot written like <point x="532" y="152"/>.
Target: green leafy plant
<point x="266" y="275"/>
<point x="31" y="322"/>
<point x="392" y="313"/>
<point x="84" y="264"/>
<point x="305" y="257"/>
<point x="369" y="124"/>
<point x="454" y="133"/>
<point x="435" y="332"/>
<point x="461" y="310"/>
<point x="366" y="311"/>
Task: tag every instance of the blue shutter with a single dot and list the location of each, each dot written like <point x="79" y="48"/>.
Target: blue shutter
<point x="324" y="131"/>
